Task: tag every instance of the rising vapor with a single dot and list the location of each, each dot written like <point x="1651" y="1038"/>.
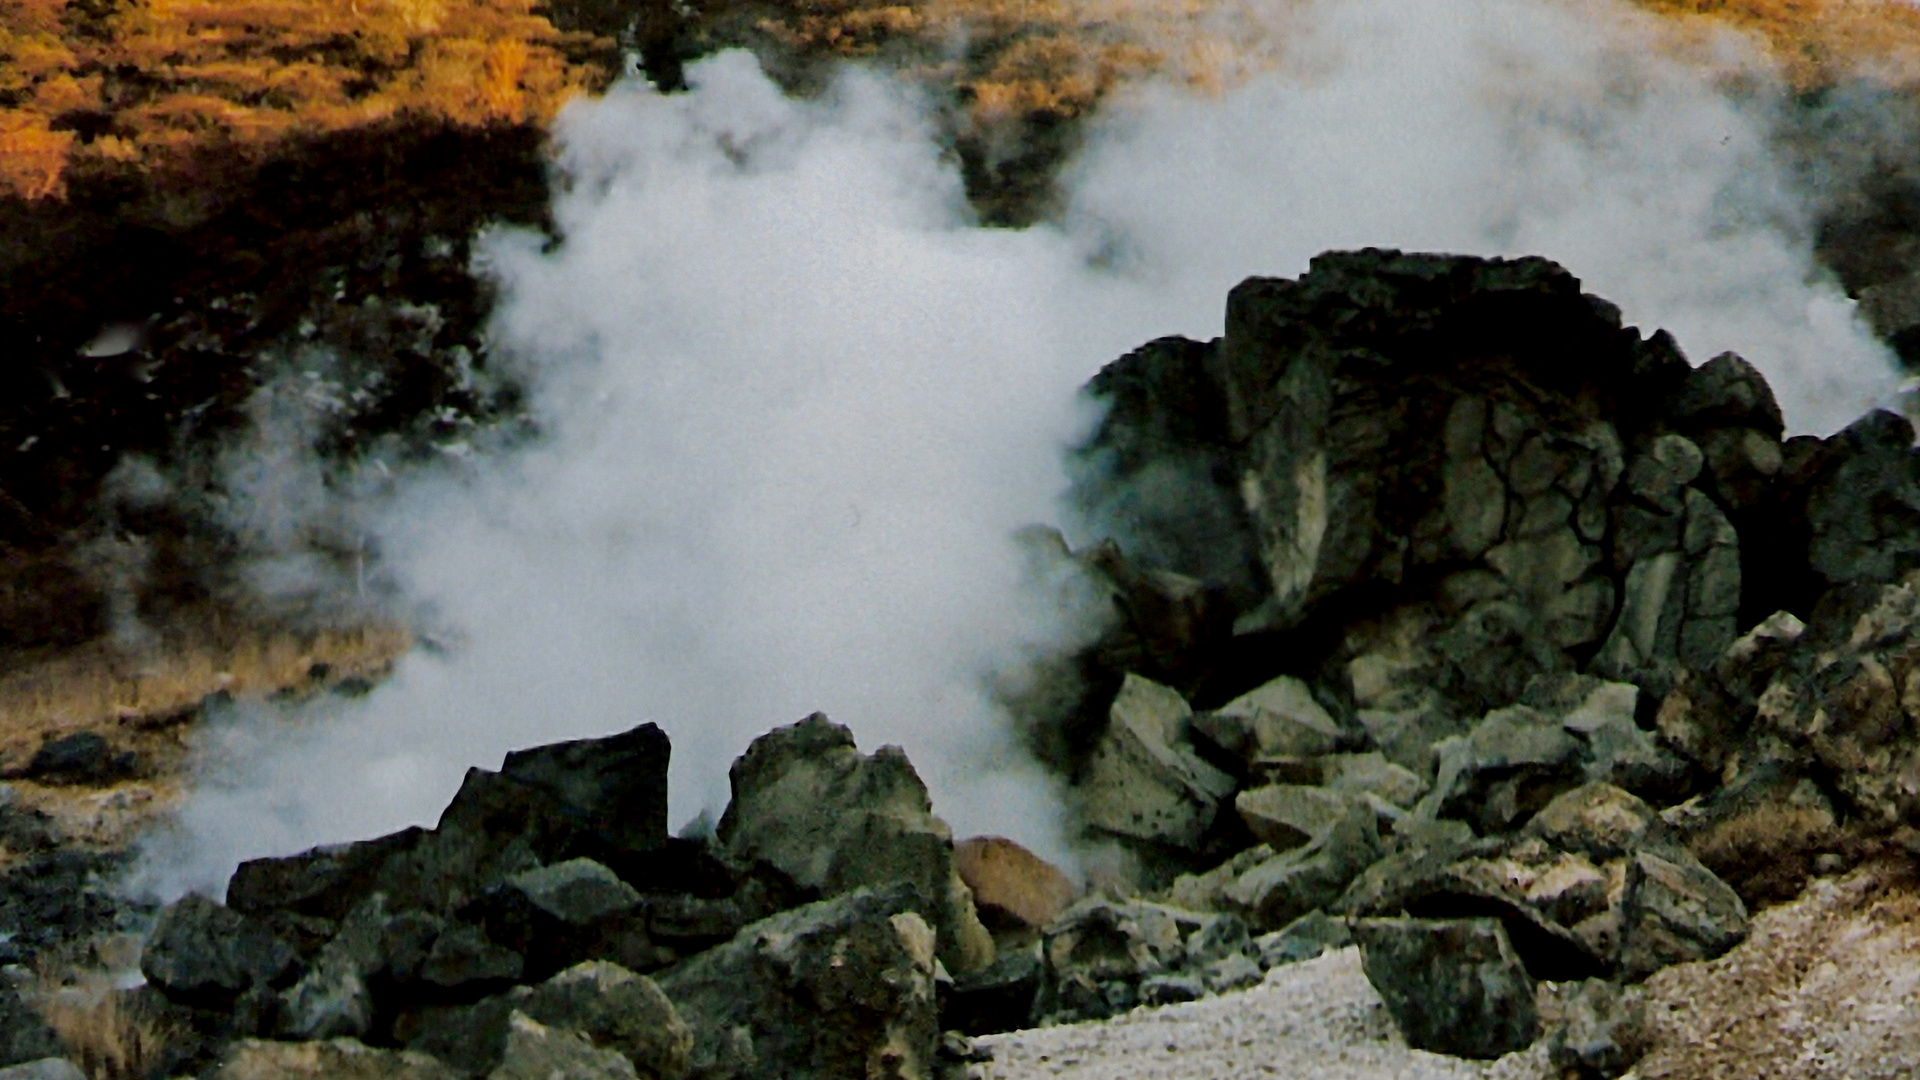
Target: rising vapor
<point x="795" y="402"/>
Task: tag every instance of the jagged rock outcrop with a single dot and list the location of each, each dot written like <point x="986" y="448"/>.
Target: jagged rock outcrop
<point x="841" y="988"/>
<point x="807" y="802"/>
<point x="1498" y="640"/>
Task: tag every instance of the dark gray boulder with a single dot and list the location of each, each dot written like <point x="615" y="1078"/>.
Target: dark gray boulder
<point x="1453" y="986"/>
<point x="205" y="955"/>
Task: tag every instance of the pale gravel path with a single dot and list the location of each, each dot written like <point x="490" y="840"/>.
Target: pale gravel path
<point x="1318" y="1020"/>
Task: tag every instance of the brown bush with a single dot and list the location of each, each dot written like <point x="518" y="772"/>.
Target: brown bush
<point x="104" y="1035"/>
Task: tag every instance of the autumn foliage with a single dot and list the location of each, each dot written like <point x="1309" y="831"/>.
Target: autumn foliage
<point x="1013" y="57"/>
<point x="145" y="82"/>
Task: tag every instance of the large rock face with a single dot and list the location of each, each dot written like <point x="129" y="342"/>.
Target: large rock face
<point x="1467" y="471"/>
<point x="806" y="801"/>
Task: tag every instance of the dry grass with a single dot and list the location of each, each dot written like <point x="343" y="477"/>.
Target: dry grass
<point x="103" y="688"/>
<point x="103" y="1035"/>
<point x="1819" y="41"/>
<point x="153" y="82"/>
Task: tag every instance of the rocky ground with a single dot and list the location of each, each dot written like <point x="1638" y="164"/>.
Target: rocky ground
<point x="1486" y="632"/>
<point x="1495" y="685"/>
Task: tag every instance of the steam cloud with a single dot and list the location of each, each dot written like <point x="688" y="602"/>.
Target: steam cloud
<point x="796" y="402"/>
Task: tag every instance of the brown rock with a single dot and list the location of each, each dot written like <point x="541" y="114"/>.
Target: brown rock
<point x="1012" y="887"/>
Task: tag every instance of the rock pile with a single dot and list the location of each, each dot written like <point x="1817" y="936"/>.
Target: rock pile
<point x="1451" y="608"/>
<point x="549" y="924"/>
<point x="1453" y="619"/>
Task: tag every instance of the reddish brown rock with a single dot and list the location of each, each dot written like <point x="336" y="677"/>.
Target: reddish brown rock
<point x="1012" y="886"/>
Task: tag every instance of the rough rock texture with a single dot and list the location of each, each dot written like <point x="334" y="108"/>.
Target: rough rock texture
<point x="537" y="1052"/>
<point x="838" y="988"/>
<point x="24" y="1036"/>
<point x="1104" y="957"/>
<point x="1454" y="986"/>
<point x="806" y="801"/>
<point x="1145" y="781"/>
<point x="207" y="955"/>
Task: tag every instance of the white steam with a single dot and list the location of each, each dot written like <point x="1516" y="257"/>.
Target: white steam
<point x="796" y="404"/>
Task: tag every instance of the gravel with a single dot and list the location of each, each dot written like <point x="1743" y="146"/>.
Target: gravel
<point x="1317" y="1020"/>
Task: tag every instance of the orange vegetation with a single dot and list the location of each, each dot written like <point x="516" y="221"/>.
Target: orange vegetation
<point x="100" y="81"/>
<point x="1061" y="56"/>
<point x="1037" y="56"/>
<point x="139" y="81"/>
<point x="1817" y="41"/>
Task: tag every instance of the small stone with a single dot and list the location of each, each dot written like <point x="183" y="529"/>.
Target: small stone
<point x="24" y="1036"/>
<point x="1171" y="989"/>
<point x="1235" y="971"/>
<point x="1599" y="820"/>
<point x="1372" y="774"/>
<point x="85" y="757"/>
<point x="1304" y="938"/>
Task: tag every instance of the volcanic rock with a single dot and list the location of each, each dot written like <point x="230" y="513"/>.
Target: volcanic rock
<point x="1101" y="954"/>
<point x="1676" y="911"/>
<point x="85" y="757"/>
<point x="806" y="801"/>
<point x="1292" y="883"/>
<point x="207" y="956"/>
<point x="537" y="1052"/>
<point x="1145" y="781"/>
<point x="999" y="997"/>
<point x="1452" y="986"/>
<point x="1286" y="816"/>
<point x="1597" y="820"/>
<point x="618" y="1010"/>
<point x="1602" y="1030"/>
<point x="1304" y="938"/>
<point x="24" y="1036"/>
<point x="841" y="988"/>
<point x="325" y="882"/>
<point x="1279" y="719"/>
<point x="334" y="1059"/>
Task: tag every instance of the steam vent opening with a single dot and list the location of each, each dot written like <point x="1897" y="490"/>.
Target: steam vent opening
<point x="964" y="540"/>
